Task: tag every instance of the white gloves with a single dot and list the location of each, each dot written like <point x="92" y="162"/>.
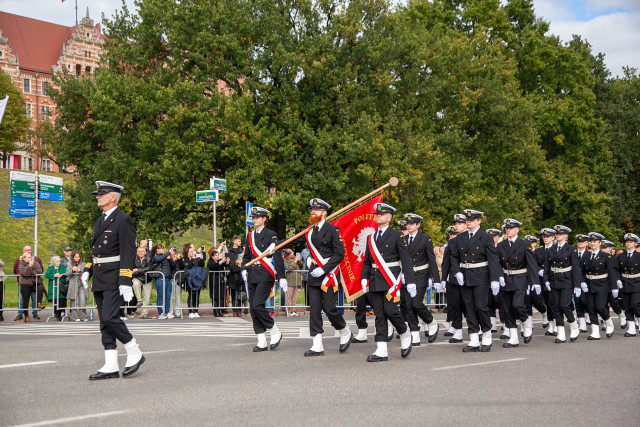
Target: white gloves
<point x="584" y="287"/>
<point x="495" y="288"/>
<point x="577" y="292"/>
<point x="364" y="283"/>
<point x="548" y="286"/>
<point x="440" y="286"/>
<point x="460" y="278"/>
<point x="283" y="285"/>
<point x="411" y="288"/>
<point x="269" y="250"/>
<point x="317" y="272"/>
<point x="537" y="289"/>
<point x="85" y="279"/>
<point x="430" y="284"/>
<point x="243" y="273"/>
<point x="402" y="278"/>
<point x="619" y="283"/>
<point x="501" y="281"/>
<point x="528" y="290"/>
<point x="541" y="272"/>
<point x="614" y="293"/>
<point x="126" y="292"/>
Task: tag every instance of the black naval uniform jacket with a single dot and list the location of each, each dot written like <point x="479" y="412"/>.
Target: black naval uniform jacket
<point x="541" y="258"/>
<point x="629" y="265"/>
<point x="328" y="242"/>
<point x="421" y="251"/>
<point x="446" y="262"/>
<point x="600" y="265"/>
<point x="479" y="249"/>
<point x="392" y="248"/>
<point x="518" y="256"/>
<point x="257" y="273"/>
<point x="115" y="237"/>
<point x="566" y="257"/>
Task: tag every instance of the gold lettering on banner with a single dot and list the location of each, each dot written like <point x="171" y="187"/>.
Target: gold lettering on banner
<point x="364" y="217"/>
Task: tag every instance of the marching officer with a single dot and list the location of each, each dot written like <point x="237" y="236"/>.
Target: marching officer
<point x="629" y="266"/>
<point x="426" y="273"/>
<point x="475" y="264"/>
<point x="520" y="271"/>
<point x="615" y="303"/>
<point x="260" y="277"/>
<point x="495" y="301"/>
<point x="113" y="248"/>
<point x="600" y="277"/>
<point x="455" y="305"/>
<point x="327" y="251"/>
<point x="580" y="302"/>
<point x="386" y="257"/>
<point x="548" y="236"/>
<point x="402" y="226"/>
<point x="535" y="299"/>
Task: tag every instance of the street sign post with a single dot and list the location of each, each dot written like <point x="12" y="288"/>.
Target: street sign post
<point x="204" y="196"/>
<point x="218" y="184"/>
<point x="248" y="217"/>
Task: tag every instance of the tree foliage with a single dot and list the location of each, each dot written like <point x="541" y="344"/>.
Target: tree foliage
<point x="15" y="123"/>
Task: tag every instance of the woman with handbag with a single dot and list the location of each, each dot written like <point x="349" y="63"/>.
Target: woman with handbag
<point x="27" y="280"/>
<point x="190" y="259"/>
<point x="77" y="294"/>
<point x="57" y="290"/>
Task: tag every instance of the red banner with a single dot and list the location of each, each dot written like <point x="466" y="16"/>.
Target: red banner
<point x="355" y="226"/>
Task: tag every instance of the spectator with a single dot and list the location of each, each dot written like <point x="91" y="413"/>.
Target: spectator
<point x="222" y="249"/>
<point x="177" y="282"/>
<point x="234" y="280"/>
<point x="27" y="269"/>
<point x="55" y="271"/>
<point x="165" y="264"/>
<point x="2" y="277"/>
<point x="77" y="293"/>
<point x="217" y="285"/>
<point x="294" y="280"/>
<point x="145" y="244"/>
<point x="37" y="291"/>
<point x="189" y="261"/>
<point x="305" y="254"/>
<point x="67" y="257"/>
<point x="141" y="286"/>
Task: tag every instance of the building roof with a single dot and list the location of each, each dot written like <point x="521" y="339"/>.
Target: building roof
<point x="38" y="44"/>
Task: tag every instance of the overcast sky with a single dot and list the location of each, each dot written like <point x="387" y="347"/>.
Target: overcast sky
<point x="611" y="26"/>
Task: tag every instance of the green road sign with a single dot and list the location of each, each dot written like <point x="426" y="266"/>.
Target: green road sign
<point x="24" y="194"/>
<point x="206" y="196"/>
<point x="23" y="185"/>
<point x="218" y="184"/>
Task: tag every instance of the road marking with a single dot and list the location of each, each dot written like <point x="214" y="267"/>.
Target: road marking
<point x="71" y="419"/>
<point x="18" y="365"/>
<point x="479" y="364"/>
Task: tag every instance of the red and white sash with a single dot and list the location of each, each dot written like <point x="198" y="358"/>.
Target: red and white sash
<point x="256" y="253"/>
<point x="330" y="278"/>
<point x="394" y="283"/>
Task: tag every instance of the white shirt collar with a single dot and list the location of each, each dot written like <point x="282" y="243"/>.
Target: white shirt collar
<point x="631" y="251"/>
<point x="320" y="224"/>
<point x="383" y="229"/>
<point x="513" y="239"/>
<point x="548" y="247"/>
<point x="560" y="245"/>
<point x="414" y="234"/>
<point x="594" y="254"/>
<point x="109" y="212"/>
<point x="259" y="229"/>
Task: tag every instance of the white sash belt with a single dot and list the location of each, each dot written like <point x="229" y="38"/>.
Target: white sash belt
<point x="474" y="264"/>
<point x="631" y="276"/>
<point x="389" y="264"/>
<point x="561" y="270"/>
<point x="514" y="272"/>
<point x="420" y="267"/>
<point x="98" y="260"/>
<point x="596" y="277"/>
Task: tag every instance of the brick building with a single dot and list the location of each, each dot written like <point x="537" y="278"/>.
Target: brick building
<point x="30" y="52"/>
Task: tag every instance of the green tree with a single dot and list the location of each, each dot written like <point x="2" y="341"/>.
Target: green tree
<point x="15" y="123"/>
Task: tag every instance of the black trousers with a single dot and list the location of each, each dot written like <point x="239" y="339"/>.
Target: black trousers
<point x="477" y="305"/>
<point x="25" y="291"/>
<point x="536" y="301"/>
<point x="455" y="305"/>
<point x="361" y="310"/>
<point x="615" y="303"/>
<point x="1" y="296"/>
<point x="320" y="301"/>
<point x="193" y="300"/>
<point x="562" y="305"/>
<point x="632" y="305"/>
<point x="258" y="295"/>
<point x="597" y="304"/>
<point x="112" y="327"/>
<point x="236" y="299"/>
<point x="548" y="302"/>
<point x="385" y="309"/>
<point x="62" y="304"/>
<point x="415" y="307"/>
<point x="514" y="307"/>
<point x="581" y="304"/>
<point x="218" y="292"/>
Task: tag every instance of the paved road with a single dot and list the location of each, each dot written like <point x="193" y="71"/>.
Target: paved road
<point x="203" y="371"/>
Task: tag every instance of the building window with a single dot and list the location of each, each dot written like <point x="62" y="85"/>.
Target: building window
<point x="28" y="110"/>
<point x="45" y="88"/>
<point x="0" y="54"/>
<point x="46" y="112"/>
<point x="30" y="164"/>
<point x="45" y="165"/>
<point x="87" y="69"/>
<point x="78" y="69"/>
<point x="26" y="88"/>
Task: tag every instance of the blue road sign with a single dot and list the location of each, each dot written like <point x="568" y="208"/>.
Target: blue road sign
<point x="247" y="213"/>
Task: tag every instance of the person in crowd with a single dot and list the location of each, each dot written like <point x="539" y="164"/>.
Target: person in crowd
<point x="140" y="283"/>
<point x="66" y="259"/>
<point x="36" y="298"/>
<point x="54" y="273"/>
<point x="144" y="243"/>
<point x="77" y="294"/>
<point x="223" y="250"/>
<point x="233" y="279"/>
<point x="187" y="263"/>
<point x="163" y="284"/>
<point x="2" y="279"/>
<point x="28" y="268"/>
<point x="217" y="285"/>
<point x="294" y="279"/>
<point x="304" y="254"/>
<point x="178" y="282"/>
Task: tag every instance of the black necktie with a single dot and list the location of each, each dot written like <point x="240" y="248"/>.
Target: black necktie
<point x="593" y="256"/>
<point x="104" y="217"/>
<point x="315" y="229"/>
<point x="378" y="235"/>
<point x="629" y="254"/>
<point x="410" y="240"/>
<point x="470" y="235"/>
<point x="510" y="243"/>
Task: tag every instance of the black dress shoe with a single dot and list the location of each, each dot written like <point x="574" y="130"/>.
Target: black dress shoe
<point x="257" y="349"/>
<point x="509" y="345"/>
<point x="627" y="334"/>
<point x="104" y="375"/>
<point x="559" y="341"/>
<point x="455" y="340"/>
<point x="592" y="338"/>
<point x="527" y="340"/>
<point x="504" y="337"/>
<point x="310" y="353"/>
<point x="357" y="341"/>
<point x="574" y="339"/>
<point x="552" y="334"/>
<point x="485" y="348"/>
<point x="133" y="369"/>
<point x="469" y="349"/>
<point x="405" y="352"/>
<point x="545" y="325"/>
<point x="390" y="338"/>
<point x="446" y="334"/>
<point x="345" y="347"/>
<point x="583" y="331"/>
<point x="433" y="337"/>
<point x="415" y="344"/>
<point x="275" y="345"/>
<point x="604" y="328"/>
<point x="623" y="326"/>
<point x="609" y="335"/>
<point x="374" y="358"/>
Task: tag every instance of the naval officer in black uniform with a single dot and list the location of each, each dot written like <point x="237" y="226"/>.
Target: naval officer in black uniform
<point x="455" y="304"/>
<point x="426" y="273"/>
<point x="327" y="248"/>
<point x="629" y="267"/>
<point x="582" y="242"/>
<point x="383" y="284"/>
<point x="548" y="236"/>
<point x="260" y="277"/>
<point x="113" y="248"/>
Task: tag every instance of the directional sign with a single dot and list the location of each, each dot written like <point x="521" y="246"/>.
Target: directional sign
<point x="218" y="184"/>
<point x="21" y="212"/>
<point x="19" y="203"/>
<point x="23" y="185"/>
<point x="206" y="196"/>
<point x="22" y="176"/>
<point x="25" y="194"/>
<point x="248" y="215"/>
<point x="45" y="195"/>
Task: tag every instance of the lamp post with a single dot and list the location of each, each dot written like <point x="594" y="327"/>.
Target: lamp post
<point x="51" y="230"/>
